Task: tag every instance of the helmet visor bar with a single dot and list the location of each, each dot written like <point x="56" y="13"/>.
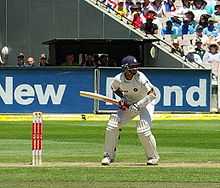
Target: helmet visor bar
<point x="133" y="67"/>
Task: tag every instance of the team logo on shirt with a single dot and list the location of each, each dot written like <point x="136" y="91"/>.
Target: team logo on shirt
<point x="135" y="89"/>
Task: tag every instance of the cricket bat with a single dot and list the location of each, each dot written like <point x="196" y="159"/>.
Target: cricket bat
<point x="98" y="97"/>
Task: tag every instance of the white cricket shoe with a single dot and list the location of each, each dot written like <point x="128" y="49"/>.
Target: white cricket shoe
<point x="153" y="161"/>
<point x="106" y="161"/>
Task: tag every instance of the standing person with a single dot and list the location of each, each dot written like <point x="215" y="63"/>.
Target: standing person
<point x="197" y="54"/>
<point x="20" y="60"/>
<point x="137" y="95"/>
<point x="150" y="27"/>
<point x="213" y="54"/>
<point x="43" y="60"/>
<point x="30" y="62"/>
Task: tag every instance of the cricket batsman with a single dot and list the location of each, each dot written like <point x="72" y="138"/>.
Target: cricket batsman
<point x="137" y="98"/>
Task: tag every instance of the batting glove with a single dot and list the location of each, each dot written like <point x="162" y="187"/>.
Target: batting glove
<point x="123" y="104"/>
<point x="134" y="108"/>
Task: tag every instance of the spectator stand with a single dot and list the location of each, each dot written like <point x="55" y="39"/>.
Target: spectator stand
<point x="98" y="52"/>
<point x="164" y="43"/>
<point x="167" y="43"/>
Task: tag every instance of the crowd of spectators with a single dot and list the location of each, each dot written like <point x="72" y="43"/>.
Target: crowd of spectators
<point x="191" y="26"/>
<point x="70" y="59"/>
<point x="97" y="60"/>
<point x="88" y="60"/>
<point x="30" y="61"/>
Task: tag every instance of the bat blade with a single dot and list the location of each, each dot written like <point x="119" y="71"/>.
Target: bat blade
<point x="98" y="97"/>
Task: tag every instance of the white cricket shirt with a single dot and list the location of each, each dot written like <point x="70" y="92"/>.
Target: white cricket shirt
<point x="134" y="89"/>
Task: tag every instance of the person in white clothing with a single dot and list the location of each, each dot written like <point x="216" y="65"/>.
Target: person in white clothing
<point x="211" y="58"/>
<point x="137" y="99"/>
<point x="213" y="54"/>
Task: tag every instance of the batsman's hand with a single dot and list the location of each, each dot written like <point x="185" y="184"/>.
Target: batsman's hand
<point x="123" y="104"/>
<point x="134" y="108"/>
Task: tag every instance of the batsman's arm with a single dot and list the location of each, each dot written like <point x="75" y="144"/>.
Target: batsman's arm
<point x="151" y="95"/>
<point x="123" y="102"/>
<point x="117" y="90"/>
<point x="119" y="93"/>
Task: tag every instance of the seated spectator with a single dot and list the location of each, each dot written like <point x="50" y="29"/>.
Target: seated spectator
<point x="158" y="7"/>
<point x="149" y="27"/>
<point x="139" y="5"/>
<point x="145" y="5"/>
<point x="69" y="60"/>
<point x="199" y="4"/>
<point x="137" y="21"/>
<point x="211" y="30"/>
<point x="213" y="54"/>
<point x="30" y="62"/>
<point x="169" y="29"/>
<point x="169" y="6"/>
<point x="121" y="9"/>
<point x="203" y="20"/>
<point x="190" y="16"/>
<point x="148" y="13"/>
<point x="186" y="5"/>
<point x="216" y="14"/>
<point x="128" y="4"/>
<point x="199" y="35"/>
<point x="197" y="54"/>
<point x="175" y="19"/>
<point x="199" y="8"/>
<point x="104" y="60"/>
<point x="177" y="48"/>
<point x="20" y="60"/>
<point x="217" y="8"/>
<point x="185" y="28"/>
<point x="43" y="60"/>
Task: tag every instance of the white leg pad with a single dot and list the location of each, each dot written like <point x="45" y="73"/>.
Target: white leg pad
<point x="111" y="136"/>
<point x="147" y="139"/>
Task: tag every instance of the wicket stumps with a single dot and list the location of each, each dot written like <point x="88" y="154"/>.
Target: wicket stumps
<point x="37" y="138"/>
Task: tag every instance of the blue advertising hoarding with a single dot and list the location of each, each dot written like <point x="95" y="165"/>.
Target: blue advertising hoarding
<point x="56" y="90"/>
<point x="50" y="90"/>
<point x="177" y="89"/>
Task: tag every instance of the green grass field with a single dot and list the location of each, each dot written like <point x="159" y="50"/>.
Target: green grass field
<point x="189" y="151"/>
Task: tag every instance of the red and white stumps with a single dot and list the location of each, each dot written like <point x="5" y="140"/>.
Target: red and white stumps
<point x="37" y="138"/>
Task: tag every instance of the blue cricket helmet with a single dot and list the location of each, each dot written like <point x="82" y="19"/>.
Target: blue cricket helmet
<point x="129" y="62"/>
